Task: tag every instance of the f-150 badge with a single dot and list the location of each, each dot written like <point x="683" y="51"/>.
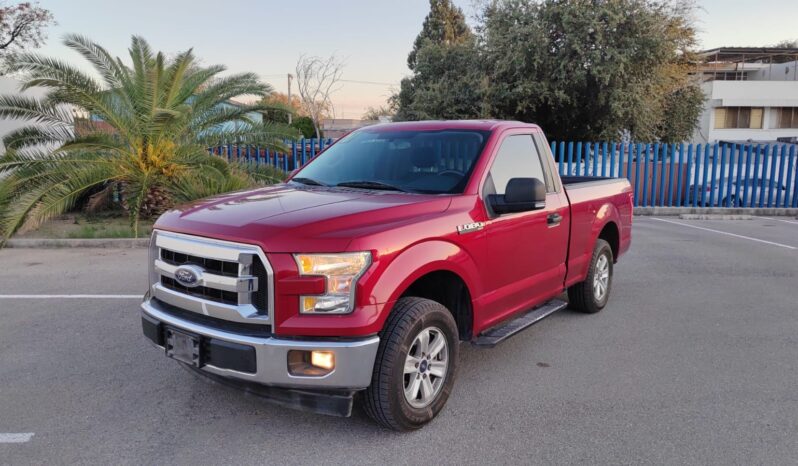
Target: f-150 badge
<point x="470" y="227"/>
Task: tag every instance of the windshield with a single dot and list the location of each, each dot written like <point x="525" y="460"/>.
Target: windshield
<point x="430" y="162"/>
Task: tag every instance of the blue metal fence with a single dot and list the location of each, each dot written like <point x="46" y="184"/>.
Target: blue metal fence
<point x="699" y="175"/>
<point x="696" y="175"/>
<point x="300" y="152"/>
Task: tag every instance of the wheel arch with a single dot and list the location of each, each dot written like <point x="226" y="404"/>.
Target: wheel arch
<point x="435" y="270"/>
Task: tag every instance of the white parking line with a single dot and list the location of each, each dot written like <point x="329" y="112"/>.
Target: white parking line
<point x="16" y="438"/>
<point x="725" y="233"/>
<point x="71" y="296"/>
<point x="778" y="220"/>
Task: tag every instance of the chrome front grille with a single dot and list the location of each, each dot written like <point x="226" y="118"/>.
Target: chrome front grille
<point x="233" y="281"/>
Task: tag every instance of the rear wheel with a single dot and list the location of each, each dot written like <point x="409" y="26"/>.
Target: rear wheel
<point x="415" y="366"/>
<point x="592" y="294"/>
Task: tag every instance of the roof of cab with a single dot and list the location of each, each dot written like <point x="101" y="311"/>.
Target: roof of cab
<point x="435" y="125"/>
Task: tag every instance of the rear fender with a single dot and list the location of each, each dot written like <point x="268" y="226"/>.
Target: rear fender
<point x="580" y="259"/>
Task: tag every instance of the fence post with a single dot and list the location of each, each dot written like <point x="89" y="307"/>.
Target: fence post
<point x="782" y="154"/>
<point x="679" y="174"/>
<point x="761" y="179"/>
<point x="654" y="166"/>
<point x="705" y="175"/>
<point x="612" y="159"/>
<point x="772" y="178"/>
<point x="645" y="176"/>
<point x="670" y="175"/>
<point x="638" y="154"/>
<point x="726" y="178"/>
<point x="595" y="158"/>
<point x="720" y="152"/>
<point x="663" y="164"/>
<point x="570" y="157"/>
<point x="793" y="180"/>
<point x="712" y="177"/>
<point x="629" y="161"/>
<point x="561" y="158"/>
<point x="738" y="174"/>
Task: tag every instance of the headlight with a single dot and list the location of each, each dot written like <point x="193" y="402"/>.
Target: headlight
<point x="341" y="271"/>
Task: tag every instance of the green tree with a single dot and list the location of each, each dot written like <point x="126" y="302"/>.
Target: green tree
<point x="447" y="84"/>
<point x="304" y="124"/>
<point x="445" y="24"/>
<point x="447" y="78"/>
<point x="374" y="113"/>
<point x="146" y="129"/>
<point x="592" y="69"/>
<point x="582" y="69"/>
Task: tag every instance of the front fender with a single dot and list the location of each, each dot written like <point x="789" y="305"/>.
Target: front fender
<point x="419" y="260"/>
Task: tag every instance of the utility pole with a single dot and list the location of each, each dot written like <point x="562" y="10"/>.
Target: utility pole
<point x="290" y="104"/>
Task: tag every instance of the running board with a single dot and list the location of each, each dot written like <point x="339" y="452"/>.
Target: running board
<point x="495" y="335"/>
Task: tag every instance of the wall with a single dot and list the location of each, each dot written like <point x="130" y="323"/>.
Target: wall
<point x="766" y="94"/>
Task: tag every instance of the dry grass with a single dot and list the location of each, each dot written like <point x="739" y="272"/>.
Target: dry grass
<point x="106" y="225"/>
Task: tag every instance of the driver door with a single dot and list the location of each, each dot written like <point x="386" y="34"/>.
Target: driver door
<point x="526" y="250"/>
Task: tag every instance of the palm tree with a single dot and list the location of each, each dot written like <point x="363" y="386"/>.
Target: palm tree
<point x="146" y="132"/>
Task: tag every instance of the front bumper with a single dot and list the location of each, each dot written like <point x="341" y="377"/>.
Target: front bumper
<point x="354" y="359"/>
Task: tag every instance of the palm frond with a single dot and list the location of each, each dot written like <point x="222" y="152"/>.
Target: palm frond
<point x="28" y="136"/>
<point x="20" y="107"/>
<point x="148" y="128"/>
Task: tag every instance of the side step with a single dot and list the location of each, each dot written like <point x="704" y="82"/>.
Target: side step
<point x="495" y="335"/>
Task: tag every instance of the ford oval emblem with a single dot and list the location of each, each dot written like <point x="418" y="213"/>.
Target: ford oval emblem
<point x="188" y="275"/>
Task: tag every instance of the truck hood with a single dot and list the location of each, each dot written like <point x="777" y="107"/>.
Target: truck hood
<point x="288" y="218"/>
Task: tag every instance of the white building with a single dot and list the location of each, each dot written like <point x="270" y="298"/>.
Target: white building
<point x="752" y="94"/>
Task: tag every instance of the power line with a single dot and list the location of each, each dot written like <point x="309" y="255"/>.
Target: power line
<point x="353" y="81"/>
<point x="367" y="82"/>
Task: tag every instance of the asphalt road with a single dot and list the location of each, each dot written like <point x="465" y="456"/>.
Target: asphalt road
<point x="695" y="360"/>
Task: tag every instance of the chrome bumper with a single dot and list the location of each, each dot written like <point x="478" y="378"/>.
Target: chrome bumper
<point x="354" y="360"/>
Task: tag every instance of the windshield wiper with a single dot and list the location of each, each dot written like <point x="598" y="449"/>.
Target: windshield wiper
<point x="308" y="181"/>
<point x="366" y="184"/>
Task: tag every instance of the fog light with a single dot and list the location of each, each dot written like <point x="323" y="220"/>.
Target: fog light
<point x="310" y="363"/>
<point x="323" y="359"/>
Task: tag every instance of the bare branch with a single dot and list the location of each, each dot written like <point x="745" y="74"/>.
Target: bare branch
<point x="317" y="79"/>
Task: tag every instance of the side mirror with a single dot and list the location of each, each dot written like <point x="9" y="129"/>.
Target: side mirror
<point x="521" y="195"/>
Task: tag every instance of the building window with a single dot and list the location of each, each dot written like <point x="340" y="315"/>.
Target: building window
<point x="738" y="117"/>
<point x="786" y="117"/>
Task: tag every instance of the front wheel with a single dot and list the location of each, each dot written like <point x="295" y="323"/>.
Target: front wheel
<point x="415" y="366"/>
<point x="591" y="295"/>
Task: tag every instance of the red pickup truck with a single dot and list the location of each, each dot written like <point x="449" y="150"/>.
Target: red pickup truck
<point x="367" y="268"/>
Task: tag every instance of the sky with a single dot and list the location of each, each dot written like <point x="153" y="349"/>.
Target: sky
<point x="373" y="37"/>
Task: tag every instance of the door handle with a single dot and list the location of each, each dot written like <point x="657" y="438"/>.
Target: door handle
<point x="554" y="219"/>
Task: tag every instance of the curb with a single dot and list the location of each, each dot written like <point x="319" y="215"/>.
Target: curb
<point x="715" y="217"/>
<point x="716" y="211"/>
<point x="107" y="243"/>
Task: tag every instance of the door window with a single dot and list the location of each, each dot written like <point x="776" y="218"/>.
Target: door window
<point x="517" y="158"/>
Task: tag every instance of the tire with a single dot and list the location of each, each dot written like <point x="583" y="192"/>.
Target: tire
<point x="582" y="296"/>
<point x="732" y="201"/>
<point x="385" y="400"/>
